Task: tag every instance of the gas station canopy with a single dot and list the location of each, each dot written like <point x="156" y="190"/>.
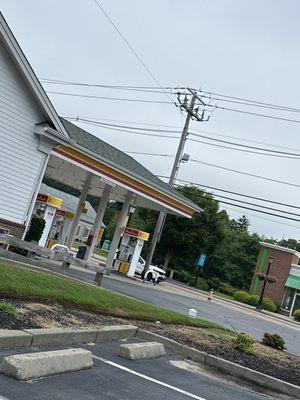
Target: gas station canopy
<point x="84" y="152"/>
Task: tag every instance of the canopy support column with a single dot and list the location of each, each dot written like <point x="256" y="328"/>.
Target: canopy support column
<point x="80" y="207"/>
<point x="97" y="223"/>
<point x="120" y="224"/>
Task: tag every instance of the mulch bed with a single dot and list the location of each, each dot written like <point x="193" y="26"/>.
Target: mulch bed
<point x="279" y="364"/>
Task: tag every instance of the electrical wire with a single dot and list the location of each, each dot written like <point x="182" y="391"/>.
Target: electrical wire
<point x="117" y="29"/>
<point x="245" y="173"/>
<point x="249" y="208"/>
<point x="244" y="151"/>
<point x="253" y="113"/>
<point x="95" y="119"/>
<point x="251" y="101"/>
<point x="110" y="98"/>
<point x="277" y="153"/>
<point x="231" y="192"/>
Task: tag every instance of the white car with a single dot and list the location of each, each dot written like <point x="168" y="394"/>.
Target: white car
<point x="140" y="268"/>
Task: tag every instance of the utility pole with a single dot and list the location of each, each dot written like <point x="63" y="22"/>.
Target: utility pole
<point x="192" y="113"/>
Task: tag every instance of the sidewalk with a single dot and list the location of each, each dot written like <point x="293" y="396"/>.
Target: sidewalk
<point x="221" y="300"/>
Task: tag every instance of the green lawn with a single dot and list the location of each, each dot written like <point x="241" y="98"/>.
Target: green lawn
<point x="21" y="283"/>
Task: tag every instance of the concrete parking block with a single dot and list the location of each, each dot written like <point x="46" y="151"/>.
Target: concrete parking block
<point x="13" y="338"/>
<point x="116" y="332"/>
<point x="140" y="351"/>
<point x="37" y="365"/>
<point x="59" y="336"/>
<point x="189" y="352"/>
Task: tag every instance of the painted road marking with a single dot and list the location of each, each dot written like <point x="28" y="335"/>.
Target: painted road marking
<point x="148" y="378"/>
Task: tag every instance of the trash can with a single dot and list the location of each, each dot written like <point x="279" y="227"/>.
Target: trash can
<point x="81" y="252"/>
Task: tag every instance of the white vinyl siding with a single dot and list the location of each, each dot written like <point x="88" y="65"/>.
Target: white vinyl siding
<point x="20" y="159"/>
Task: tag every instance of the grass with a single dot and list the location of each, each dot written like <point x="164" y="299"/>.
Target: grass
<point x="225" y="296"/>
<point x="8" y="308"/>
<point x="18" y="282"/>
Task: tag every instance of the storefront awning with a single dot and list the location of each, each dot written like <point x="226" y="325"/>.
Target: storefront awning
<point x="293" y="282"/>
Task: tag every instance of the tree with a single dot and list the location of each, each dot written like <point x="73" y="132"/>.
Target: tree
<point x="242" y="224"/>
<point x="183" y="239"/>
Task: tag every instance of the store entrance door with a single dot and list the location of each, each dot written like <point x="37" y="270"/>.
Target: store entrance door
<point x="296" y="303"/>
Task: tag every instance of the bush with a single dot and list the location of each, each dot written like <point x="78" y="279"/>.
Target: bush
<point x="202" y="284"/>
<point x="273" y="340"/>
<point x="182" y="276"/>
<point x="253" y="300"/>
<point x="214" y="283"/>
<point x="35" y="230"/>
<point x="269" y="304"/>
<point x="241" y="296"/>
<point x="297" y="315"/>
<point x="244" y="342"/>
<point x="8" y="308"/>
<point x="225" y="288"/>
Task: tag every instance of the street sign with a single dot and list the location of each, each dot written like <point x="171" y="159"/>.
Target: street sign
<point x="201" y="260"/>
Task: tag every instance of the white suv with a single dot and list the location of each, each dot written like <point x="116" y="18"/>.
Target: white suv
<point x="140" y="268"/>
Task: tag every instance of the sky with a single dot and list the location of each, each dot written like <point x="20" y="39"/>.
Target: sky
<point x="241" y="48"/>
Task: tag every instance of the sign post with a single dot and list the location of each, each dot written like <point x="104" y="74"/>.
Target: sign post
<point x="200" y="264"/>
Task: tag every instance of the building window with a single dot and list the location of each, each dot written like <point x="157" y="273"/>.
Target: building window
<point x="288" y="298"/>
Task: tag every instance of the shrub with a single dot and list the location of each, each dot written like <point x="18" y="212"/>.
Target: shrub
<point x="202" y="284"/>
<point x="297" y="315"/>
<point x="273" y="340"/>
<point x="253" y="300"/>
<point x="242" y="296"/>
<point x="269" y="305"/>
<point x="214" y="283"/>
<point x="8" y="308"/>
<point x="36" y="229"/>
<point x="182" y="276"/>
<point x="244" y="342"/>
<point x="225" y="288"/>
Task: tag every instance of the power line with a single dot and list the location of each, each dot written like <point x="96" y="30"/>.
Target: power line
<point x="235" y="193"/>
<point x="111" y="98"/>
<point x="96" y="120"/>
<point x="252" y="104"/>
<point x="252" y="101"/>
<point x="127" y="131"/>
<point x="250" y="208"/>
<point x="244" y="151"/>
<point x="246" y="146"/>
<point x="128" y="44"/>
<point x="101" y="86"/>
<point x="280" y="154"/>
<point x="264" y="218"/>
<point x="245" y="173"/>
<point x="254" y="114"/>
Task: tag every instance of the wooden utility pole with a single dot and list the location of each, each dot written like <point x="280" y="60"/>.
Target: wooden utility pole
<point x="192" y="113"/>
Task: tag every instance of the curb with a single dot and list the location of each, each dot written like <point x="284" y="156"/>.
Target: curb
<point x="59" y="336"/>
<point x="224" y="366"/>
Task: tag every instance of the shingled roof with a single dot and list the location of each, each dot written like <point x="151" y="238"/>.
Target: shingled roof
<point x="114" y="156"/>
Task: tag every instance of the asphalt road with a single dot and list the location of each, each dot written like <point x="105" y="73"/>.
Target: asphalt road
<point x="114" y="378"/>
<point x="240" y="320"/>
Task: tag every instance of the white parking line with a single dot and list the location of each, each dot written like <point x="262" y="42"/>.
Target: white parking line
<point x="148" y="378"/>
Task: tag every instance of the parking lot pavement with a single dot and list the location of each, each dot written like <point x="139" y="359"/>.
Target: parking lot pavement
<point x="115" y="378"/>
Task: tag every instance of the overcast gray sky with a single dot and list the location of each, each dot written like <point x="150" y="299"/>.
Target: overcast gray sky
<point x="243" y="48"/>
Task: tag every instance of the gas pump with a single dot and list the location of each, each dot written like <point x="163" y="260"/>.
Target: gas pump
<point x="130" y="250"/>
